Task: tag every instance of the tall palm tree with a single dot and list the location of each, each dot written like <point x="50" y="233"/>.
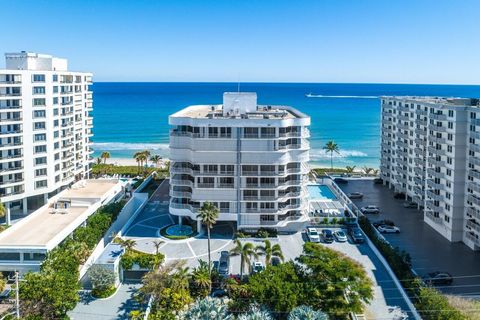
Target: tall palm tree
<point x="208" y="214"/>
<point x="105" y="155"/>
<point x="146" y="155"/>
<point x="367" y="170"/>
<point x="157" y="244"/>
<point x="350" y="169"/>
<point x="331" y="147"/>
<point x="245" y="251"/>
<point x="270" y="251"/>
<point x="155" y="159"/>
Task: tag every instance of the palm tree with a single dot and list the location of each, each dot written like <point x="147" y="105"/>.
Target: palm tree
<point x="270" y="251"/>
<point x="208" y="214"/>
<point x="157" y="244"/>
<point x="331" y="147"/>
<point x="375" y="172"/>
<point x="128" y="244"/>
<point x="146" y="155"/>
<point x="155" y="159"/>
<point x="367" y="170"/>
<point x="105" y="155"/>
<point x="99" y="160"/>
<point x="350" y="169"/>
<point x="140" y="157"/>
<point x="3" y="210"/>
<point x="245" y="251"/>
<point x="202" y="279"/>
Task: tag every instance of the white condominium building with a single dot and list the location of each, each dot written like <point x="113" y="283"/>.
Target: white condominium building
<point x="250" y="160"/>
<point x="431" y="153"/>
<point x="45" y="129"/>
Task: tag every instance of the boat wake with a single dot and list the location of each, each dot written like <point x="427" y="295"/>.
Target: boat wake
<point x="309" y="95"/>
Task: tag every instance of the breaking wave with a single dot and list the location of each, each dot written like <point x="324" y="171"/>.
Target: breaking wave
<point x="319" y="154"/>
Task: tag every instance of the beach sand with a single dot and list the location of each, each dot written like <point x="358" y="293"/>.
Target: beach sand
<point x="132" y="162"/>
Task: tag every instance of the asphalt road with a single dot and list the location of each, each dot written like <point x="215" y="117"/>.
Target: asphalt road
<point x="428" y="249"/>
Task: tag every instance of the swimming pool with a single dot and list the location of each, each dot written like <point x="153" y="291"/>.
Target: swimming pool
<point x="320" y="192"/>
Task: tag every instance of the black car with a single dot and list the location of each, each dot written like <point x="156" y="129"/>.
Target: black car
<point x="275" y="261"/>
<point x="327" y="236"/>
<point x="340" y="180"/>
<point x="357" y="235"/>
<point x="224" y="263"/>
<point x="399" y="195"/>
<point x="438" y="278"/>
<point x="378" y="223"/>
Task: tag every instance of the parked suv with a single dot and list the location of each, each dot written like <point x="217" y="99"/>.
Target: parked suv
<point x="357" y="235"/>
<point x="224" y="263"/>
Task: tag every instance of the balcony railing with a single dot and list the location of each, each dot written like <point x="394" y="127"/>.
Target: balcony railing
<point x="431" y="216"/>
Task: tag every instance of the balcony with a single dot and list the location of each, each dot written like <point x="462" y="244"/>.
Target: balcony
<point x="419" y="191"/>
<point x="421" y="112"/>
<point x="473" y="212"/>
<point x="473" y="200"/>
<point x="419" y="171"/>
<point x="12" y="192"/>
<point x="420" y="132"/>
<point x="432" y="217"/>
<point x="438" y="140"/>
<point x="206" y="185"/>
<point x="474" y="186"/>
<point x="403" y="126"/>
<point x="11" y="144"/>
<point x="472" y="238"/>
<point x="473" y="226"/>
<point x="439" y="117"/>
<point x="418" y="181"/>
<point x="437" y="128"/>
<point x="403" y="118"/>
<point x="474" y="173"/>
<point x="420" y="142"/>
<point x="403" y="109"/>
<point x="11" y="119"/>
<point x="432" y="184"/>
<point x="434" y="150"/>
<point x="435" y="174"/>
<point x="402" y="135"/>
<point x="437" y="163"/>
<point x="181" y="182"/>
<point x="474" y="147"/>
<point x="402" y="144"/>
<point x="434" y="196"/>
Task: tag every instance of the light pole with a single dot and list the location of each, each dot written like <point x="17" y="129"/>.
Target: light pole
<point x="17" y="299"/>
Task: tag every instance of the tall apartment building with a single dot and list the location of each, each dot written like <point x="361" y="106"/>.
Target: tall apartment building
<point x="45" y="129"/>
<point x="430" y="151"/>
<point x="250" y="160"/>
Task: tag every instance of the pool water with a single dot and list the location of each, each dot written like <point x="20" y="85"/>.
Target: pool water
<point x="179" y="230"/>
<point x="320" y="192"/>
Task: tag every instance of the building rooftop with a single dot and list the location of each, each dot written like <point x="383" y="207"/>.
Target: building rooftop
<point x="34" y="61"/>
<point x="452" y="101"/>
<point x="48" y="226"/>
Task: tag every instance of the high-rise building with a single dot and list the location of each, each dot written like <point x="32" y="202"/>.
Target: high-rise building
<point x="45" y="129"/>
<point x="250" y="160"/>
<point x="430" y="151"/>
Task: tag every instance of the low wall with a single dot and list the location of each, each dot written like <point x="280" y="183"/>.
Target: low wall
<point x="144" y="183"/>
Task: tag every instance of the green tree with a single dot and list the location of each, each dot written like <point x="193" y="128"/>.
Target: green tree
<point x="201" y="279"/>
<point x="432" y="305"/>
<point x="102" y="278"/>
<point x="128" y="244"/>
<point x="104" y="156"/>
<point x="350" y="169"/>
<point x="208" y="214"/>
<point x="146" y="154"/>
<point x="367" y="170"/>
<point x="331" y="147"/>
<point x="331" y="276"/>
<point x="246" y="252"/>
<point x="306" y="313"/>
<point x="280" y="288"/>
<point x="270" y="251"/>
<point x="155" y="159"/>
<point x="157" y="244"/>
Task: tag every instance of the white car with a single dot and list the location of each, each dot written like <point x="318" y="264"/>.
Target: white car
<point x="388" y="229"/>
<point x="257" y="266"/>
<point x="340" y="236"/>
<point x="313" y="235"/>
<point x="370" y="209"/>
<point x="355" y="195"/>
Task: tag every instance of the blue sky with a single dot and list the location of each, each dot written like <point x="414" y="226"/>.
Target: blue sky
<point x="390" y="41"/>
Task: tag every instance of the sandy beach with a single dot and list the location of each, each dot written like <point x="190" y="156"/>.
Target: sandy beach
<point x="131" y="162"/>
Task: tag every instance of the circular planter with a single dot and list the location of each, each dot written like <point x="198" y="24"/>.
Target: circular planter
<point x="177" y="232"/>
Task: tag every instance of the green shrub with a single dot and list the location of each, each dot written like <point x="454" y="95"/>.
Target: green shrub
<point x="103" y="293"/>
<point x="262" y="234"/>
<point x="144" y="260"/>
<point x="241" y="235"/>
<point x="129" y="171"/>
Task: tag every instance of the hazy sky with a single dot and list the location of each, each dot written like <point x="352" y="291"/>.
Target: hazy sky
<point x="400" y="41"/>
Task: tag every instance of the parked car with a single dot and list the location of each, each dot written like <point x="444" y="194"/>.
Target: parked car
<point x="438" y="278"/>
<point x="313" y="235"/>
<point x="378" y="181"/>
<point x="340" y="180"/>
<point x="355" y="195"/>
<point x="370" y="209"/>
<point x="385" y="222"/>
<point x="388" y="229"/>
<point x="399" y="195"/>
<point x="257" y="266"/>
<point x="357" y="235"/>
<point x="410" y="205"/>
<point x="224" y="263"/>
<point x="327" y="236"/>
<point x="340" y="236"/>
<point x="275" y="261"/>
<point x="5" y="294"/>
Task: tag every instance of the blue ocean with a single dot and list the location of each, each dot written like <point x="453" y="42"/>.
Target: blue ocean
<point x="129" y="117"/>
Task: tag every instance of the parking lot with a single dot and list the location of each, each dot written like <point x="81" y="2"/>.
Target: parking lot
<point x="429" y="250"/>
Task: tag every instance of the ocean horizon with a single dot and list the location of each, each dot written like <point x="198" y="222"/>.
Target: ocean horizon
<point x="133" y="116"/>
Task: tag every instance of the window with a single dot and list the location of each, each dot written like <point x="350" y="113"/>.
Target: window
<point x="40" y="172"/>
<point x="39" y="102"/>
<point x="450" y="125"/>
<point x="450" y="113"/>
<point x="40" y="149"/>
<point x="56" y="156"/>
<point x="38" y="78"/>
<point x="38" y="90"/>
<point x="55" y="123"/>
<point x="41" y="160"/>
<point x="40" y="137"/>
<point x="56" y="145"/>
<point x="55" y="101"/>
<point x="55" y="134"/>
<point x="40" y="184"/>
<point x="55" y="78"/>
<point x="55" y="89"/>
<point x="39" y="114"/>
<point x="38" y="125"/>
<point x="55" y="112"/>
<point x="57" y="168"/>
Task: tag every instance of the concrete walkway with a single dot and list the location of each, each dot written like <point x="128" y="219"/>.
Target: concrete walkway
<point x="116" y="307"/>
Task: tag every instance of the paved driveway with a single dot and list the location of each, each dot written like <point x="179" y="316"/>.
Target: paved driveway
<point x="429" y="250"/>
<point x="116" y="307"/>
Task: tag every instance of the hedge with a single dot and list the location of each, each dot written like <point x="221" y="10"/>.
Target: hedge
<point x="129" y="171"/>
<point x="144" y="260"/>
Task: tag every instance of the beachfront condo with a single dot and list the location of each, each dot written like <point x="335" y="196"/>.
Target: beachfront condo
<point x="45" y="129"/>
<point x="250" y="160"/>
<point x="430" y="152"/>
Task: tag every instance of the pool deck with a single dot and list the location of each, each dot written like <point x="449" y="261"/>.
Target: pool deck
<point x="324" y="205"/>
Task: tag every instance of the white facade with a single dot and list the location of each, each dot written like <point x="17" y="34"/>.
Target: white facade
<point x="45" y="128"/>
<point x="430" y="154"/>
<point x="251" y="161"/>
